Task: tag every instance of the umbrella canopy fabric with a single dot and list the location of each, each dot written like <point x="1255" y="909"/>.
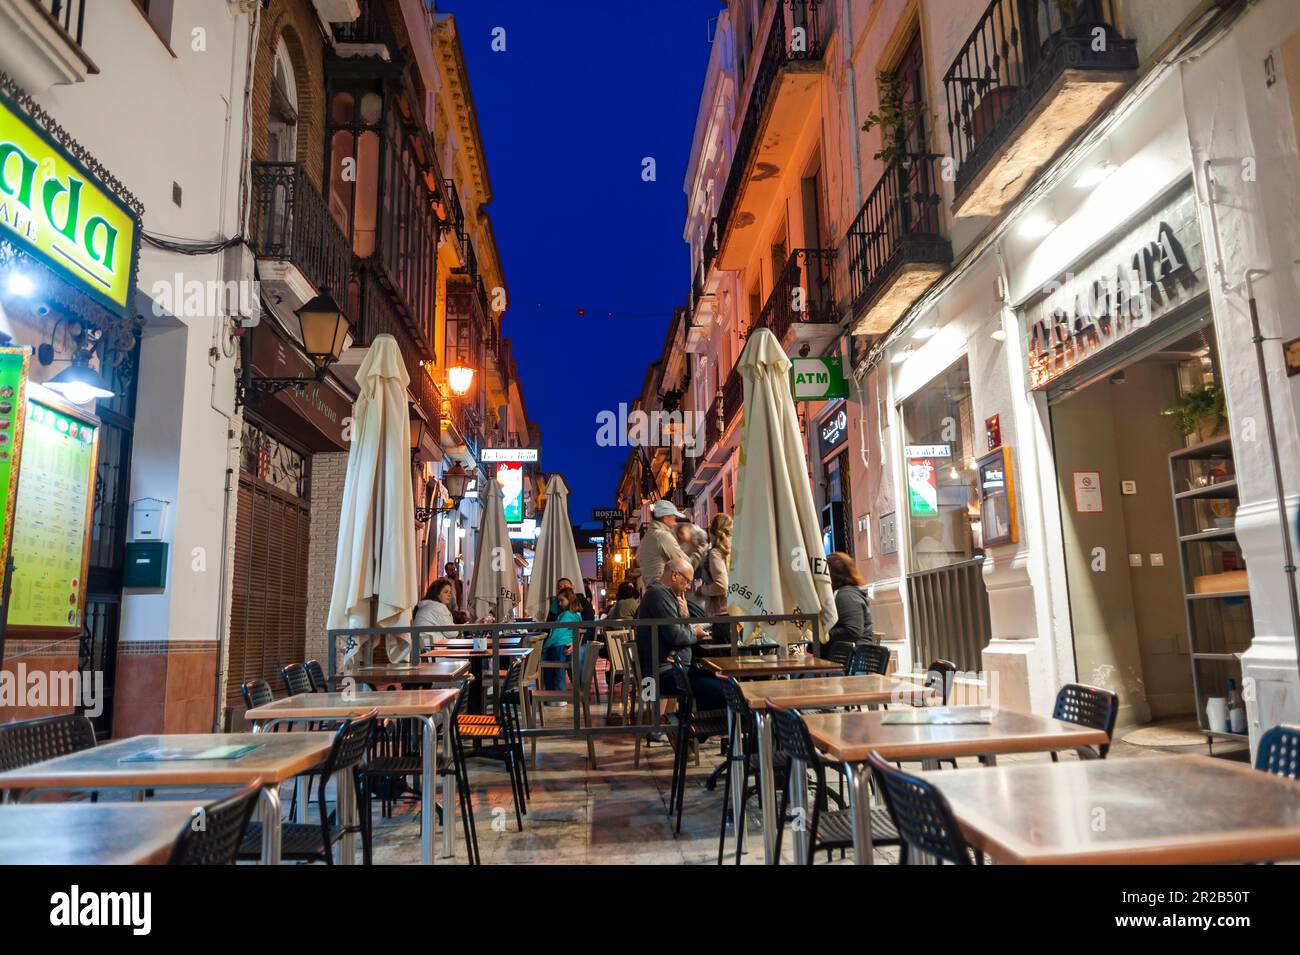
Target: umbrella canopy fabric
<point x="492" y="591"/>
<point x="777" y="565"/>
<point x="375" y="577"/>
<point x="556" y="554"/>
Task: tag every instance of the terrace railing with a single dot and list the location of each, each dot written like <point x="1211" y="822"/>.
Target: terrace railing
<point x="292" y="223"/>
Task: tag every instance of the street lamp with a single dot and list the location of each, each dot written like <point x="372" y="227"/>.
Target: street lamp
<point x="79" y="383"/>
<point x="454" y="480"/>
<point x="459" y="378"/>
<point x="324" y="329"/>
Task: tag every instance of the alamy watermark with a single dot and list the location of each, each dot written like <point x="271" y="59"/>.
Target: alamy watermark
<point x="650" y="429"/>
<point x="54" y="689"/>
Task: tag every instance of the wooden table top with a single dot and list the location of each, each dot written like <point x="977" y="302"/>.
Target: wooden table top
<point x="343" y="705"/>
<point x="279" y="756"/>
<point x="1167" y="810"/>
<point x="758" y="668"/>
<point x="851" y="736"/>
<point x="455" y="653"/>
<point x="831" y="691"/>
<point x="83" y="833"/>
<point x="439" y="671"/>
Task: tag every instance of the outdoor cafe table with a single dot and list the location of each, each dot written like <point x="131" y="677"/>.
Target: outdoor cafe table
<point x="467" y="643"/>
<point x="278" y="758"/>
<point x="477" y="660"/>
<point x="811" y="693"/>
<point x="1170" y="810"/>
<point x="423" y="706"/>
<point x="849" y="737"/>
<point x="767" y="667"/>
<point x="83" y="833"/>
<point x="408" y="674"/>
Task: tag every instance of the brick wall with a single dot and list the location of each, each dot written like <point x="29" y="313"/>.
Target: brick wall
<point x="327" y="473"/>
<point x="296" y="22"/>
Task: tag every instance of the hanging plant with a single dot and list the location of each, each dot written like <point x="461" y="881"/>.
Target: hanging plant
<point x="893" y="117"/>
<point x="1200" y="411"/>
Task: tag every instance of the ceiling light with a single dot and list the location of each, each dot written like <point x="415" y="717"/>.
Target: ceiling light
<point x="1094" y="174"/>
<point x="925" y="331"/>
<point x="20" y="284"/>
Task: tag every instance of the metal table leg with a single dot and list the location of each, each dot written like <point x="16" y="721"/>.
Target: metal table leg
<point x="270" y="800"/>
<point x="767" y="786"/>
<point x="860" y="805"/>
<point x="346" y="802"/>
<point x="429" y="788"/>
<point x="736" y="773"/>
<point x="802" y="814"/>
<point x="448" y="790"/>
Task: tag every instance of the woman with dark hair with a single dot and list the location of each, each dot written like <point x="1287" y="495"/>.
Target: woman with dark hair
<point x="626" y="601"/>
<point x="851" y="603"/>
<point x="435" y="609"/>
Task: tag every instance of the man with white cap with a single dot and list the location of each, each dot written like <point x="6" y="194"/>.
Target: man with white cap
<point x="659" y="546"/>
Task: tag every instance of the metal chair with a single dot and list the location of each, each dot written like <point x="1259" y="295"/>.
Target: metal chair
<point x="839" y="651"/>
<point x="691" y="727"/>
<point x="585" y="673"/>
<point x="500" y="732"/>
<point x="256" y="693"/>
<point x="868" y="658"/>
<point x="1279" y="751"/>
<point x="827" y="828"/>
<point x="296" y="679"/>
<point x="939" y="676"/>
<point x="217" y="840"/>
<point x="316" y="676"/>
<point x="25" y="742"/>
<point x="743" y="759"/>
<point x="312" y="843"/>
<point x="1087" y="706"/>
<point x="921" y="815"/>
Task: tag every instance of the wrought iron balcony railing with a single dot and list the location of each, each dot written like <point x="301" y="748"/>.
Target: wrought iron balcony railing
<point x="376" y="314"/>
<point x="291" y="223"/>
<point x="1012" y="58"/>
<point x="371" y="26"/>
<point x="898" y="223"/>
<point x="68" y="14"/>
<point x="794" y="35"/>
<point x="733" y="396"/>
<point x="804" y="292"/>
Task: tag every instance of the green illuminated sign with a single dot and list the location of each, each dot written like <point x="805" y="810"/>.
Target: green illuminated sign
<point x="54" y="209"/>
<point x="817" y="379"/>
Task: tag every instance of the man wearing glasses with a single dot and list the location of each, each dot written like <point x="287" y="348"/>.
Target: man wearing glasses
<point x="666" y="600"/>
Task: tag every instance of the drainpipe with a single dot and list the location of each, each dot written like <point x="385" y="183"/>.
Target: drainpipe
<point x="846" y="36"/>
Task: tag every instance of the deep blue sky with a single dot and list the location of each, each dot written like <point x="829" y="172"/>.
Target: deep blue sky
<point x="584" y="91"/>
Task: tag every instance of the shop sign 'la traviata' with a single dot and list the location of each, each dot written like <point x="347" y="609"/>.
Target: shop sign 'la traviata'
<point x="1081" y="315"/>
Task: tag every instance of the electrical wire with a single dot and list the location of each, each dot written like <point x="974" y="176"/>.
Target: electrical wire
<point x="190" y="246"/>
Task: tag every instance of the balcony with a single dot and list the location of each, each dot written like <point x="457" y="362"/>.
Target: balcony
<point x="803" y="299"/>
<point x="453" y="217"/>
<point x="372" y="304"/>
<point x="733" y="398"/>
<point x="782" y="97"/>
<point x="42" y="42"/>
<point x="895" y="249"/>
<point x="300" y="249"/>
<point x="1030" y="77"/>
<point x="369" y="36"/>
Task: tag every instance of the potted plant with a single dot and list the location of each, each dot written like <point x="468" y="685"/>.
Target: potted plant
<point x="1200" y="412"/>
<point x="893" y="117"/>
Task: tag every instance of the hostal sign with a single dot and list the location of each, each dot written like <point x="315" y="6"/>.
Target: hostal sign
<point x="54" y="209"/>
<point x="1151" y="270"/>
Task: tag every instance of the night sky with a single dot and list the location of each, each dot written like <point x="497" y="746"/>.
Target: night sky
<point x="583" y="92"/>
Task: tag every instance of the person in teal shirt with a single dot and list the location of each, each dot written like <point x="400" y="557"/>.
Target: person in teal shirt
<point x="559" y="642"/>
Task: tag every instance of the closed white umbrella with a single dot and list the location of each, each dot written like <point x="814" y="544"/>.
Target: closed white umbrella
<point x="556" y="555"/>
<point x="777" y="564"/>
<point x="375" y="578"/>
<point x="492" y="589"/>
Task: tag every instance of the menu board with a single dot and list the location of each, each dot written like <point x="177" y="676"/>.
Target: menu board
<point x="52" y="518"/>
<point x="13" y="382"/>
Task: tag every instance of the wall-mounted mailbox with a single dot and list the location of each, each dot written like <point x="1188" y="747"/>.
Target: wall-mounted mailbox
<point x="147" y="519"/>
<point x="145" y="566"/>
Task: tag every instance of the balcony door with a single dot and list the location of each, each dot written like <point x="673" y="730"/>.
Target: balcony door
<point x="282" y="140"/>
<point x="920" y="209"/>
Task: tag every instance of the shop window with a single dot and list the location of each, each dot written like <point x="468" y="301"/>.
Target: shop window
<point x="939" y="448"/>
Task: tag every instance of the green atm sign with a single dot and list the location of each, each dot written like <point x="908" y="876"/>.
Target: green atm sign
<point x="817" y="379"/>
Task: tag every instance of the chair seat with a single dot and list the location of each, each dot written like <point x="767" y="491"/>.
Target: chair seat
<point x="835" y="829"/>
<point x="394" y="766"/>
<point x="467" y="719"/>
<point x="552" y="694"/>
<point x="481" y="730"/>
<point x="297" y="841"/>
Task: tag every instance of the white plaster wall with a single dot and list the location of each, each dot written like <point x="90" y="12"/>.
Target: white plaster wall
<point x="1235" y="117"/>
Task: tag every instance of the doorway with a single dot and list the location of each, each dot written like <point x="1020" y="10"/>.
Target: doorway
<point x="1130" y="567"/>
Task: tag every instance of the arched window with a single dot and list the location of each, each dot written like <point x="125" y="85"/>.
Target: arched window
<point x="282" y="127"/>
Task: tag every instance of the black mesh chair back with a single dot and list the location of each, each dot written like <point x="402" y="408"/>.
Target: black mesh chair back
<point x="939" y="677"/>
<point x="868" y="658"/>
<point x="295" y="679"/>
<point x="792" y="735"/>
<point x="256" y="693"/>
<point x="838" y="651"/>
<point x="25" y="742"/>
<point x="1279" y="751"/>
<point x="1089" y="706"/>
<point x="351" y="741"/>
<point x="316" y="676"/>
<point x="213" y="838"/>
<point x="920" y="813"/>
